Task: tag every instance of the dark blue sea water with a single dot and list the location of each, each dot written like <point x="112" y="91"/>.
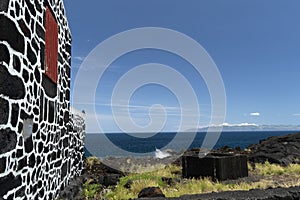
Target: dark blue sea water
<point x="118" y="144"/>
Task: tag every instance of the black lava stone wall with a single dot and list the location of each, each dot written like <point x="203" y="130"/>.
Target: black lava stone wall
<point x="41" y="140"/>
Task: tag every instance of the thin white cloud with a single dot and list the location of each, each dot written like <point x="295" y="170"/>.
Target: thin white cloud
<point x="132" y="107"/>
<point x="107" y="123"/>
<point x="241" y="124"/>
<point x="255" y="114"/>
<point x="139" y="114"/>
<point x="296" y="115"/>
<point x="233" y="125"/>
<point x="79" y="58"/>
<point x="252" y="127"/>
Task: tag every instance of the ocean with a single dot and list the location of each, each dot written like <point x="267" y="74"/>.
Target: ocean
<point x="123" y="145"/>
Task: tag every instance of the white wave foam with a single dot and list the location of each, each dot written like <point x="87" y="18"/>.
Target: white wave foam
<point x="160" y="154"/>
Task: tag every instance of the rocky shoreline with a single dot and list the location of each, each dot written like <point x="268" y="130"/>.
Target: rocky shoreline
<point x="283" y="150"/>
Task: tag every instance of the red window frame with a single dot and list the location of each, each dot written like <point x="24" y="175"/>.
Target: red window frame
<point x="51" y="46"/>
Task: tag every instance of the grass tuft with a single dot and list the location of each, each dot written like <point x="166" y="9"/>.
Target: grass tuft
<point x="270" y="169"/>
<point x="91" y="161"/>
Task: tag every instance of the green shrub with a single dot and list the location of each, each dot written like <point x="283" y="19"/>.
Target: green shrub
<point x="90" y="190"/>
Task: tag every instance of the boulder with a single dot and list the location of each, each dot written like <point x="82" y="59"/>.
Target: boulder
<point x="111" y="179"/>
<point x="151" y="192"/>
<point x="128" y="184"/>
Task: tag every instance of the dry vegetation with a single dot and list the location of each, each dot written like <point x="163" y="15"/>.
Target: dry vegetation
<point x="260" y="176"/>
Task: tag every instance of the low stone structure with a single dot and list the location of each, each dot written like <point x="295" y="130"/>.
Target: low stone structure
<point x="218" y="166"/>
<point x="41" y="141"/>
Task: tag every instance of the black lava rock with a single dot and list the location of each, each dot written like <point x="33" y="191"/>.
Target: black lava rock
<point x="11" y="86"/>
<point x="282" y="150"/>
<point x="151" y="192"/>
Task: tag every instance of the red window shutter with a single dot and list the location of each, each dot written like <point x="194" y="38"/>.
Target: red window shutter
<point x="51" y="46"/>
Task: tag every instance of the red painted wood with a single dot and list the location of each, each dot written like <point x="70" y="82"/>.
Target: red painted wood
<point x="51" y="46"/>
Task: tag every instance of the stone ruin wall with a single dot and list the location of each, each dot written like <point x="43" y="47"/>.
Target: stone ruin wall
<point x="41" y="142"/>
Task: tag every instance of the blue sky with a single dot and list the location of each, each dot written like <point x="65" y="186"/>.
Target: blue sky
<point x="255" y="45"/>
